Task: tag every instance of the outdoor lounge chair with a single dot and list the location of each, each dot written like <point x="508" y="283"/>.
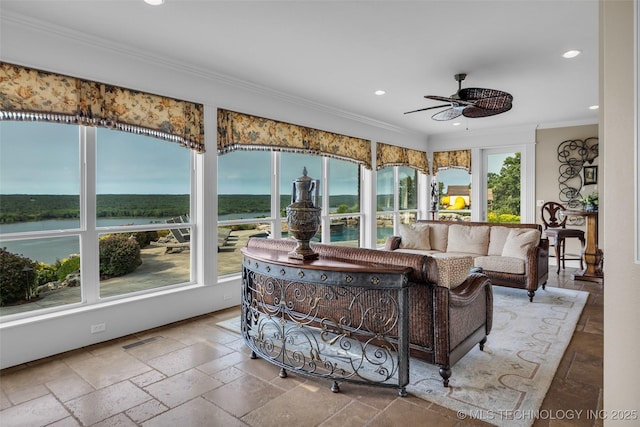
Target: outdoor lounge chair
<point x="177" y="240"/>
<point x="226" y="242"/>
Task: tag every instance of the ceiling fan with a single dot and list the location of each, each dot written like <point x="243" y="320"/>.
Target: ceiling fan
<point x="470" y="102"/>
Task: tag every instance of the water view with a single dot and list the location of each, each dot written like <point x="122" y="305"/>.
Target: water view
<point x="48" y="250"/>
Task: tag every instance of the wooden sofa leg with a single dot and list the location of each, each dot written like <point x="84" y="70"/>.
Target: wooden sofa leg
<point x="445" y="373"/>
<point x="481" y="343"/>
<point x="531" y="295"/>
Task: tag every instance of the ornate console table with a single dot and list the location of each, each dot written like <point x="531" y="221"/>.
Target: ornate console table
<point x="327" y="318"/>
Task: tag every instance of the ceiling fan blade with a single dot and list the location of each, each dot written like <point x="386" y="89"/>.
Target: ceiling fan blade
<point x="428" y="108"/>
<point x="477" y="93"/>
<point x="440" y="98"/>
<point x="494" y="103"/>
<point x="475" y="112"/>
<point x="448" y="114"/>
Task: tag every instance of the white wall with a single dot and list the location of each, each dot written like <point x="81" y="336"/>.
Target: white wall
<point x="622" y="275"/>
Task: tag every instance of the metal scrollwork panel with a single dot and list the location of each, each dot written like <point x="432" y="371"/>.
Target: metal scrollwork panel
<point x="343" y="333"/>
<point x="572" y="155"/>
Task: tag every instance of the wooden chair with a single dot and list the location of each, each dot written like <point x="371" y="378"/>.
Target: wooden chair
<point x="555" y="227"/>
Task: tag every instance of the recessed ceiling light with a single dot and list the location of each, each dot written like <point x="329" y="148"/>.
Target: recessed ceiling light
<point x="380" y="92"/>
<point x="571" y="53"/>
<point x="154" y="2"/>
<point x="594" y="107"/>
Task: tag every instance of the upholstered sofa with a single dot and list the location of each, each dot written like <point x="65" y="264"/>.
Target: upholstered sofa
<point x="513" y="255"/>
<point x="450" y="306"/>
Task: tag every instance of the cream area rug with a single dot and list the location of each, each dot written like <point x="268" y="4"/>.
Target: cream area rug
<point x="506" y="383"/>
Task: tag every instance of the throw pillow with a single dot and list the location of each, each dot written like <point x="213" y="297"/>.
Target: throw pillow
<point x="438" y="235"/>
<point x="414" y="236"/>
<point x="468" y="239"/>
<point x="519" y="241"/>
<point x="497" y="239"/>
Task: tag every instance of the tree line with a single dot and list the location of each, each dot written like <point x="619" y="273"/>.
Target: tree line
<point x="40" y="207"/>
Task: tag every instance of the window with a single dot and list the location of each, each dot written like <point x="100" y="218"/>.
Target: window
<point x="503" y="186"/>
<point x="60" y="204"/>
<point x="455" y="193"/>
<point x="344" y="203"/>
<point x="244" y="204"/>
<point x="246" y="199"/>
<point x="142" y="182"/>
<point x="397" y="199"/>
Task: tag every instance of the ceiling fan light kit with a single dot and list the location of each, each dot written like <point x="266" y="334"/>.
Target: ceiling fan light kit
<point x="473" y="102"/>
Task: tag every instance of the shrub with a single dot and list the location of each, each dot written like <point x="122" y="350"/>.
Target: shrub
<point x="17" y="282"/>
<point x="68" y="266"/>
<point x="144" y="237"/>
<point x="46" y="273"/>
<point x="503" y="217"/>
<point x="119" y="255"/>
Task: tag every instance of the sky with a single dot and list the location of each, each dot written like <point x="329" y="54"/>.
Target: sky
<point x="42" y="158"/>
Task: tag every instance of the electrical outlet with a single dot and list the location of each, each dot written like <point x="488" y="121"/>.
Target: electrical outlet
<point x="98" y="327"/>
<point x="227" y="297"/>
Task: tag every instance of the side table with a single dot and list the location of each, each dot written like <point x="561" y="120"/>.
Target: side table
<point x="592" y="255"/>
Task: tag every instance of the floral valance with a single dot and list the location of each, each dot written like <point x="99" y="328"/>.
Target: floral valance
<point x="28" y="94"/>
<point x="238" y="131"/>
<point x="391" y="155"/>
<point x="452" y="159"/>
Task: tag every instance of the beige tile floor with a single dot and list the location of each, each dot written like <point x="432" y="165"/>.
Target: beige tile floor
<point x="194" y="373"/>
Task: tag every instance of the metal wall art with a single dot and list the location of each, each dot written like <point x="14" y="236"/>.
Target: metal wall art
<point x="573" y="154"/>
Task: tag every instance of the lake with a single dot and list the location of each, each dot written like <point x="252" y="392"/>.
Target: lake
<point x="50" y="249"/>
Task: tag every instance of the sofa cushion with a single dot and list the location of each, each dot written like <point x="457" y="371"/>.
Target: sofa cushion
<point x="471" y="239"/>
<point x="453" y="270"/>
<point x="502" y="264"/>
<point x="414" y="236"/>
<point x="438" y="234"/>
<point x="497" y="239"/>
<point x="519" y="241"/>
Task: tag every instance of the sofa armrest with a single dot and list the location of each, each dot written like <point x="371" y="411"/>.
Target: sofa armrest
<point x="460" y="314"/>
<point x="477" y="285"/>
<point x="537" y="264"/>
<point x="392" y="243"/>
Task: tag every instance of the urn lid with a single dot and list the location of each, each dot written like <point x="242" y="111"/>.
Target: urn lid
<point x="304" y="177"/>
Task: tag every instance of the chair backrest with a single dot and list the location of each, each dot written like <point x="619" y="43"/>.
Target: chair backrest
<point x="551" y="217"/>
<point x="182" y="235"/>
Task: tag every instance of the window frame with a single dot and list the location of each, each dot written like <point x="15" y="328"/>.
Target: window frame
<point x="88" y="232"/>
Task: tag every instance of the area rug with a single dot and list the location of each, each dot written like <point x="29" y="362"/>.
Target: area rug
<point x="506" y="383"/>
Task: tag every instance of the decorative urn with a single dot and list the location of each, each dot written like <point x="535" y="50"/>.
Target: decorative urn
<point x="303" y="215"/>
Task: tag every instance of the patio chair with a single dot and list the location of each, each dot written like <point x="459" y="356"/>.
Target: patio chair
<point x="177" y="240"/>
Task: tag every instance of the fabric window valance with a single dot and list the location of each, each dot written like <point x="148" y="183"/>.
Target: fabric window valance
<point x="452" y="159"/>
<point x="238" y="131"/>
<point x="392" y="155"/>
<point x="28" y="94"/>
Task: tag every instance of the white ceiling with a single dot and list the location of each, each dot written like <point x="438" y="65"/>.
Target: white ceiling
<point x="337" y="53"/>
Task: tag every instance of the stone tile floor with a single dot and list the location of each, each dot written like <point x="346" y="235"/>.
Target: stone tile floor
<point x="195" y="373"/>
